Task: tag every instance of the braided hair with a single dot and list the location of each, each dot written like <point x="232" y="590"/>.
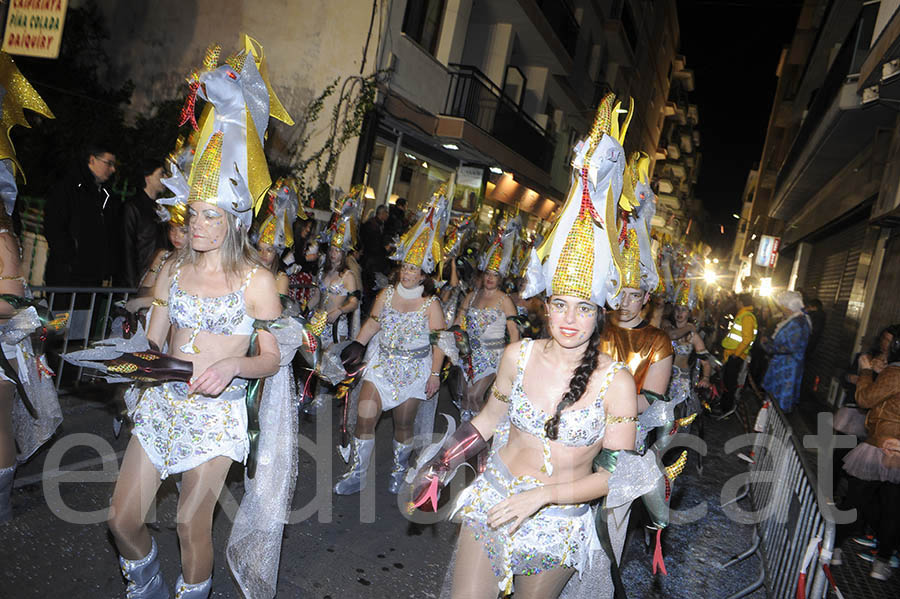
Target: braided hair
<point x="581" y="376"/>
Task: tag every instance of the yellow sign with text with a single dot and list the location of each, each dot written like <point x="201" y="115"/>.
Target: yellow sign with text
<point x="34" y="27"/>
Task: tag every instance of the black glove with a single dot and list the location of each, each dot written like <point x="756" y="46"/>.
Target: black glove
<point x="352" y="356"/>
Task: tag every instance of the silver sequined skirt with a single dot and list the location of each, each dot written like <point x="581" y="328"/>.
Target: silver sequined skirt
<point x="555" y="536"/>
<point x="179" y="433"/>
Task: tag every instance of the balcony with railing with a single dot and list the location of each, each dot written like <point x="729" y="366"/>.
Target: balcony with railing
<point x="475" y="98"/>
<point x="559" y="14"/>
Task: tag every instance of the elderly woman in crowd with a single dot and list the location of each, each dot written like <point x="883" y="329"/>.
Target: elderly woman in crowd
<point x="787" y="348"/>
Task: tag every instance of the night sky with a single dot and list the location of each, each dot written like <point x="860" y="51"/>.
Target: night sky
<point x="733" y="48"/>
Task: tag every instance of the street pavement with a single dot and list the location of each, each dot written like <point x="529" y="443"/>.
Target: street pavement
<point x="352" y="547"/>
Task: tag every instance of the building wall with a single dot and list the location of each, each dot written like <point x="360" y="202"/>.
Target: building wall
<point x="156" y="43"/>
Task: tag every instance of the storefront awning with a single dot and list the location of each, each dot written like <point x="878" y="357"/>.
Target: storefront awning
<point x="508" y="191"/>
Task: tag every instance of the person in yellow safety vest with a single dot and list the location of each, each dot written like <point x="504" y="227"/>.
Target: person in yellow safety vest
<point x="737" y="344"/>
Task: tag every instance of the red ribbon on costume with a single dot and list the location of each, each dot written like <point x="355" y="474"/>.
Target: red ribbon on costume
<point x="658" y="555"/>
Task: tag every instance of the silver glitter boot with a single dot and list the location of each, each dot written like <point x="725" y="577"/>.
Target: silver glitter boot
<point x="355" y="480"/>
<point x="200" y="590"/>
<point x="401" y="463"/>
<point x="6" y="483"/>
<point x="145" y="581"/>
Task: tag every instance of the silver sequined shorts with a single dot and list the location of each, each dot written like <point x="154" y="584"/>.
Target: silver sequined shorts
<point x="555" y="536"/>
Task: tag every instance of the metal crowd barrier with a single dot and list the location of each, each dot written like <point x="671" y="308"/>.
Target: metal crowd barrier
<point x="89" y="319"/>
<point x="91" y="315"/>
<point x="783" y="483"/>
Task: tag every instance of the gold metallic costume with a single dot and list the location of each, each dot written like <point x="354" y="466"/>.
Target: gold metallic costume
<point x="638" y="348"/>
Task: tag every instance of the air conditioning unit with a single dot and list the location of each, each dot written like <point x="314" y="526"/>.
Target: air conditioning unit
<point x="836" y="393"/>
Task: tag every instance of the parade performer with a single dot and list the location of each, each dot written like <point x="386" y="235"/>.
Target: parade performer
<point x="686" y="341"/>
<point x="402" y="370"/>
<point x="526" y="521"/>
<point x="209" y="304"/>
<point x="29" y="407"/>
<point x="338" y="294"/>
<point x="484" y="317"/>
<point x="275" y="232"/>
<point x="645" y="349"/>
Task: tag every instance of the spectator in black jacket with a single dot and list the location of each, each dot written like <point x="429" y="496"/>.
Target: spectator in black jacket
<point x="81" y="223"/>
<point x="396" y="222"/>
<point x="142" y="230"/>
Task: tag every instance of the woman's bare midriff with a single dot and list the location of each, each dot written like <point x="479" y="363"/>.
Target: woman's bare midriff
<point x="212" y="347"/>
<point x="523" y="456"/>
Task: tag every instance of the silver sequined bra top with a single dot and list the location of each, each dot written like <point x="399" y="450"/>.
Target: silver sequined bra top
<point x="577" y="428"/>
<point x="220" y="315"/>
<point x="405" y="330"/>
<point x="682" y="349"/>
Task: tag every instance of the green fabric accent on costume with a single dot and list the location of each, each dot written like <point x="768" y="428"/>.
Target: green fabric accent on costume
<point x="254" y="390"/>
<point x="606" y="460"/>
<point x="652" y="396"/>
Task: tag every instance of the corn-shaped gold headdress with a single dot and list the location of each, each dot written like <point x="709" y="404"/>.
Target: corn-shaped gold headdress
<point x="230" y="168"/>
<point x="639" y="269"/>
<point x="17" y="95"/>
<point x="498" y="256"/>
<point x="277" y="219"/>
<point x="423" y="244"/>
<point x="580" y="256"/>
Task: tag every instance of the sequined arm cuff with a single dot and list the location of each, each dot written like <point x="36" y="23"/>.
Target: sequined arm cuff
<point x="620" y="419"/>
<point x="159" y="302"/>
<point x="498" y="395"/>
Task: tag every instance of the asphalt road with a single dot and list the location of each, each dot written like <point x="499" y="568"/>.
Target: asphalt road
<point x="350" y="547"/>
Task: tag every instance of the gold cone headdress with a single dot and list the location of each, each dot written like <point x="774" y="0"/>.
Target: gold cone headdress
<point x="498" y="256"/>
<point x="17" y="95"/>
<point x="277" y="219"/>
<point x="638" y="262"/>
<point x="423" y="244"/>
<point x="229" y="169"/>
<point x="343" y="233"/>
<point x="580" y="256"/>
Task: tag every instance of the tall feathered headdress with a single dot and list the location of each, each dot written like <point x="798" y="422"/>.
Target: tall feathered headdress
<point x="423" y="244"/>
<point x="638" y="262"/>
<point x="498" y="256"/>
<point x="17" y="95"/>
<point x="276" y="220"/>
<point x="580" y="255"/>
<point x="229" y="169"/>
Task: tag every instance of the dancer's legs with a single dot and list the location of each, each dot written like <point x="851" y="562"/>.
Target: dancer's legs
<point x="546" y="585"/>
<point x="473" y="577"/>
<point x="368" y="411"/>
<point x="200" y="488"/>
<point x="405" y="419"/>
<point x="135" y="491"/>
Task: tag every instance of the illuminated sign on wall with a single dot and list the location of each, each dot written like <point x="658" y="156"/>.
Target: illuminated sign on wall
<point x="767" y="254"/>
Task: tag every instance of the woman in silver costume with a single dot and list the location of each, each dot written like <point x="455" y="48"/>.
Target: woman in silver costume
<point x="527" y="523"/>
<point x="685" y="341"/>
<point x="483" y="316"/>
<point x="402" y="370"/>
<point x="18" y="426"/>
<point x="206" y="303"/>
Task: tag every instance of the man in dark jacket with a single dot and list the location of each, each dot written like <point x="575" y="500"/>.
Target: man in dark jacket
<point x="374" y="253"/>
<point x="396" y="222"/>
<point x="81" y="224"/>
<point x="142" y="231"/>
